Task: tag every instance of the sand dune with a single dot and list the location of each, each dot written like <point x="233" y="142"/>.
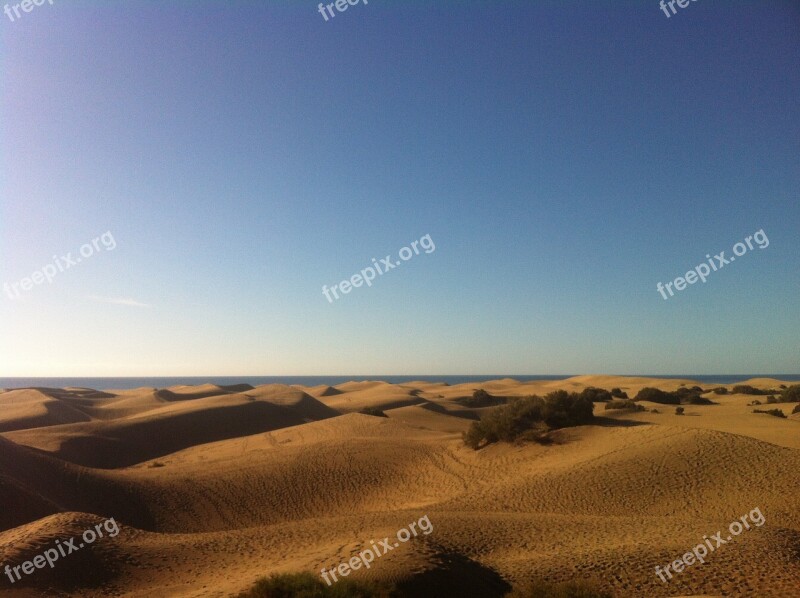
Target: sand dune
<point x="214" y="487"/>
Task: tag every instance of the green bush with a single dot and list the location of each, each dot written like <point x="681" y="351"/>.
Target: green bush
<point x="678" y="410"/>
<point x="746" y="389"/>
<point x="529" y="418"/>
<point x="771" y="400"/>
<point x="791" y="394"/>
<point x="655" y="395"/>
<point x="720" y="391"/>
<point x="624" y="404"/>
<point x="308" y="585"/>
<point x="696" y="400"/>
<point x="775" y="412"/>
<point x="481" y="398"/>
<point x="567" y="589"/>
<point x="682" y="396"/>
<point x="618" y="393"/>
<point x="596" y="395"/>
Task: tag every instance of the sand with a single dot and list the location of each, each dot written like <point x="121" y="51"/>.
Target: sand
<point x="214" y="487"/>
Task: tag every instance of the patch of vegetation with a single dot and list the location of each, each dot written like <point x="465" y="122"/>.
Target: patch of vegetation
<point x="618" y="393"/>
<point x="156" y="464"/>
<point x="373" y="411"/>
<point x="567" y="589"/>
<point x="696" y="400"/>
<point x="596" y="395"/>
<point x="308" y="585"/>
<point x="775" y="412"/>
<point x="529" y="418"/>
<point x="791" y="394"/>
<point x="654" y="411"/>
<point x="656" y="395"/>
<point x="746" y="389"/>
<point x="771" y="400"/>
<point x="796" y="409"/>
<point x="720" y="391"/>
<point x="678" y="410"/>
<point x="625" y="404"/>
<point x="481" y="398"/>
<point x="682" y="396"/>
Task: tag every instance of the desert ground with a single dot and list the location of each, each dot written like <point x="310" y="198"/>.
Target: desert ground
<point x="213" y="487"/>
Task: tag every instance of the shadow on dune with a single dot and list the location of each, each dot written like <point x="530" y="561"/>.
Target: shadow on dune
<point x="459" y="575"/>
<point x="121" y="444"/>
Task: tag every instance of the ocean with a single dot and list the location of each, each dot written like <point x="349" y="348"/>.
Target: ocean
<point x="163" y="382"/>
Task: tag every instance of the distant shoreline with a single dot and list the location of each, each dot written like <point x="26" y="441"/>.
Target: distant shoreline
<point x="124" y="383"/>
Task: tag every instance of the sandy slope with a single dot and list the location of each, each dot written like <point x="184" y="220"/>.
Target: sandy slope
<point x="214" y="487"/>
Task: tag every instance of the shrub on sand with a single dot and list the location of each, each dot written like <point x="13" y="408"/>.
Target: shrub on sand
<point x="529" y="418"/>
<point x="618" y="393"/>
<point x="596" y="395"/>
<point x="796" y="409"/>
<point x="308" y="585"/>
<point x="791" y="394"/>
<point x="656" y="395"/>
<point x="775" y="412"/>
<point x="678" y="410"/>
<point x="481" y="398"/>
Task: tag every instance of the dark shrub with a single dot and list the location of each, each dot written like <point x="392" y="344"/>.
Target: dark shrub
<point x="656" y="395"/>
<point x="796" y="409"/>
<point x="654" y="411"/>
<point x="678" y="410"/>
<point x="624" y="404"/>
<point x="567" y="589"/>
<point x="755" y="402"/>
<point x="308" y="585"/>
<point x="720" y="390"/>
<point x="373" y="411"/>
<point x="775" y="412"/>
<point x="529" y="418"/>
<point x="596" y="395"/>
<point x="791" y="394"/>
<point x="746" y="389"/>
<point x="696" y="400"/>
<point x="618" y="393"/>
<point x="481" y="398"/>
<point x="771" y="399"/>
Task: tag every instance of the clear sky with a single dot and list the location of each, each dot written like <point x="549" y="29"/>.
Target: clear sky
<point x="564" y="157"/>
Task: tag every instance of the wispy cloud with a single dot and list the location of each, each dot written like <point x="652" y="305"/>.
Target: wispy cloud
<point x="118" y="301"/>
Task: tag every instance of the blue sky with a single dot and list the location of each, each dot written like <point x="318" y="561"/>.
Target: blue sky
<point x="563" y="156"/>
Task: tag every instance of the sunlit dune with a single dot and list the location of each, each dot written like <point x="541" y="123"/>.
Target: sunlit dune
<point x="214" y="487"/>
